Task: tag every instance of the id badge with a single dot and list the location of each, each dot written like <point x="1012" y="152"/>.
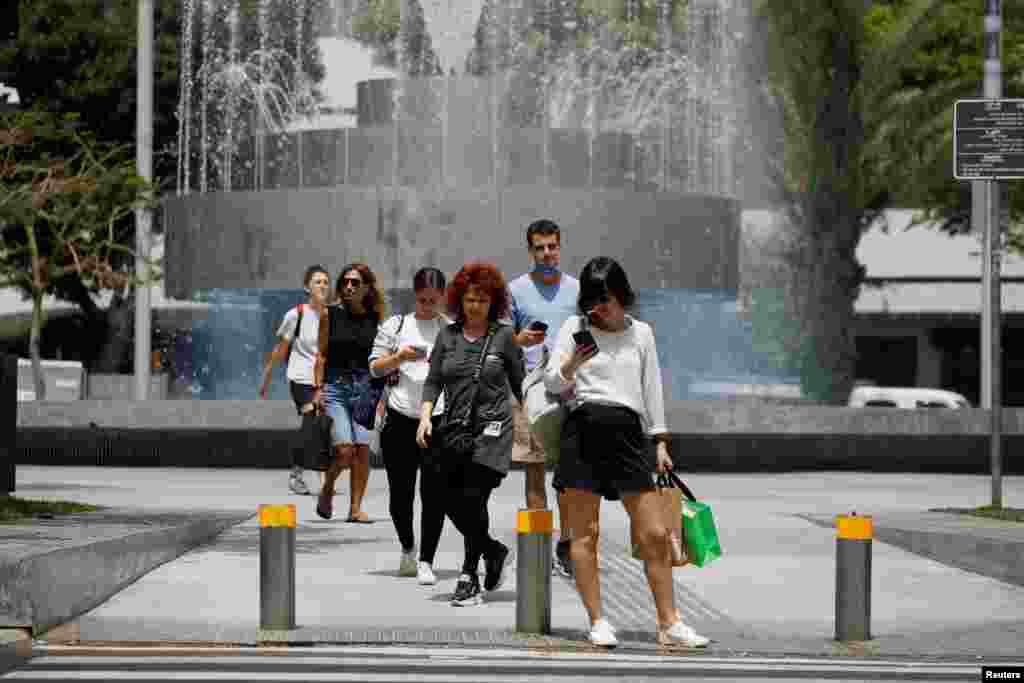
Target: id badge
<point x="493" y="428"/>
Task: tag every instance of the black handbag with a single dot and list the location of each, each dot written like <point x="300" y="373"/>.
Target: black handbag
<point x="458" y="434"/>
<point x="315" y="438"/>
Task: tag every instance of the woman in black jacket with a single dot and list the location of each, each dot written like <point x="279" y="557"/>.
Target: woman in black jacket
<point x="477" y="298"/>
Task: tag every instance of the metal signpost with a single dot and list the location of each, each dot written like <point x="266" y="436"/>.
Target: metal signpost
<point x="988" y="141"/>
<point x="143" y="215"/>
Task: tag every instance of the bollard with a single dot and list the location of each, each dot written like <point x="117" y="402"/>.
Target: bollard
<point x="533" y="571"/>
<point x="277" y="567"/>
<point x="853" y="577"/>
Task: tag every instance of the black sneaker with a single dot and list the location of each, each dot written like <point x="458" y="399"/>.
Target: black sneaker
<point x="495" y="565"/>
<point x="563" y="565"/>
<point x="467" y="591"/>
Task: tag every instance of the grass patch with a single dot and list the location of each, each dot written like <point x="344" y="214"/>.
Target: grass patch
<point x="1004" y="514"/>
<point x="15" y="509"/>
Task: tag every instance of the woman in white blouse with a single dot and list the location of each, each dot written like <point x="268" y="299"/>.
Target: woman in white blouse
<point x="403" y="344"/>
<point x="617" y="406"/>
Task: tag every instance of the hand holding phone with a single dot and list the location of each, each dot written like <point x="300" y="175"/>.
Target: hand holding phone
<point x="584" y="338"/>
<point x="421" y="352"/>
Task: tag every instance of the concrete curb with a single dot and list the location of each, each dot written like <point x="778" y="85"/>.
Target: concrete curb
<point x="990" y="548"/>
<point x="39" y="592"/>
<point x="998" y="559"/>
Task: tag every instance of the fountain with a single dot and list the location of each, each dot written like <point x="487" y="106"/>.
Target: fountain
<point x="624" y="127"/>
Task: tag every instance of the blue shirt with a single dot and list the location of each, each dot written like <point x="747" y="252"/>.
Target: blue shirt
<point x="551" y="304"/>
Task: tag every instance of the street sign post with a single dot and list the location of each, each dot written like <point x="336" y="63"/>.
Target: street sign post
<point x="988" y="139"/>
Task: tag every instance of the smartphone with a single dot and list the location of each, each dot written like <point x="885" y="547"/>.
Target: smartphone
<point x="584" y="338"/>
<point x="538" y="326"/>
<point x="421" y="351"/>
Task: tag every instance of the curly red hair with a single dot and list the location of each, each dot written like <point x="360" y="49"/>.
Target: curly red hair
<point x="488" y="278"/>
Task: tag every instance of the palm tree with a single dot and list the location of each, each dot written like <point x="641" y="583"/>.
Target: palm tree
<point x="851" y="135"/>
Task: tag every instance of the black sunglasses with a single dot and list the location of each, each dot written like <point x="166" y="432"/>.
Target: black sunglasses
<point x="354" y="281"/>
<point x="596" y="300"/>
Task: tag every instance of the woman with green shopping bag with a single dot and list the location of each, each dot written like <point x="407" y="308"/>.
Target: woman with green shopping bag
<point x="610" y="361"/>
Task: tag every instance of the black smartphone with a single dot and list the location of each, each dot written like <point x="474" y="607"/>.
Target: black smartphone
<point x="584" y="338"/>
<point x="538" y="326"/>
<point x="421" y="351"/>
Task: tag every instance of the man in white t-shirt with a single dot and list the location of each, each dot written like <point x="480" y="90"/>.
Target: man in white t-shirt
<point x="542" y="300"/>
<point x="299" y="348"/>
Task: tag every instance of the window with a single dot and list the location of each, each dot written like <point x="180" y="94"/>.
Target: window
<point x="880" y="403"/>
<point x="931" y="404"/>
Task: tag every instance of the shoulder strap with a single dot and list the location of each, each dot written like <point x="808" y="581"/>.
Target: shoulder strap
<point x="298" y="331"/>
<point x="479" y="369"/>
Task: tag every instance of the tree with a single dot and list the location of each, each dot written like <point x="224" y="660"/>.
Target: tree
<point x="87" y="51"/>
<point x="953" y="51"/>
<point x="64" y="198"/>
<point x="834" y="82"/>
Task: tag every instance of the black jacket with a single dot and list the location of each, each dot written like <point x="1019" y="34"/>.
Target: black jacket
<point x="452" y="366"/>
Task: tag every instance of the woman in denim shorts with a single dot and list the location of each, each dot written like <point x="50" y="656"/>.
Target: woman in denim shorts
<point x="343" y="376"/>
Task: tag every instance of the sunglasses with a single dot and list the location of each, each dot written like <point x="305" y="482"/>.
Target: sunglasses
<point x="353" y="282"/>
<point x="596" y="301"/>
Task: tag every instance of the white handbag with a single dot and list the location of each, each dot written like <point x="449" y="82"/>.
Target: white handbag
<point x="545" y="411"/>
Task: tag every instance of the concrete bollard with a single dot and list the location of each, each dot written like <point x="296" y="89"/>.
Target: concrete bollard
<point x="533" y="571"/>
<point x="853" y="577"/>
<point x="277" y="567"/>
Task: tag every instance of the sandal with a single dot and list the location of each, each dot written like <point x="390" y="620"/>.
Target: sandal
<point x="325" y="506"/>
<point x="361" y="518"/>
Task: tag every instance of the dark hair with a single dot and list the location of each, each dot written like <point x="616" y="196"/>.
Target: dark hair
<point x="374" y="299"/>
<point x="311" y="271"/>
<point x="487" y="277"/>
<point x="543" y="227"/>
<point x="600" y="276"/>
<point x="428" y="278"/>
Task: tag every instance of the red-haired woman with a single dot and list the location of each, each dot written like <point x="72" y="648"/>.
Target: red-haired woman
<point x="477" y="299"/>
<point x="342" y="376"/>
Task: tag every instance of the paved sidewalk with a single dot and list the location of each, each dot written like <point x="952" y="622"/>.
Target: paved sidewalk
<point x="772" y="593"/>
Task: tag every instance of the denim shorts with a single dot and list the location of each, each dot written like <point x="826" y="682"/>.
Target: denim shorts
<point x="341" y="391"/>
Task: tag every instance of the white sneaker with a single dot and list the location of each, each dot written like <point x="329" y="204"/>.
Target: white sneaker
<point x="425" y="574"/>
<point x="602" y="634"/>
<point x="297" y="484"/>
<point x="407" y="565"/>
<point x="681" y="634"/>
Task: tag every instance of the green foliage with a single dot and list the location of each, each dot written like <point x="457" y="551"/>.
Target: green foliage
<point x="64" y="203"/>
<point x="87" y="52"/>
<point x="14" y="509"/>
<point x="851" y="128"/>
<point x="952" y="52"/>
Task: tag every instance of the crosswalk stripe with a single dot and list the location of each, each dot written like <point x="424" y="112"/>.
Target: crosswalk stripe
<point x="440" y="668"/>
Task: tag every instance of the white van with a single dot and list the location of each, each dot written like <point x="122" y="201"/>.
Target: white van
<point x="905" y="397"/>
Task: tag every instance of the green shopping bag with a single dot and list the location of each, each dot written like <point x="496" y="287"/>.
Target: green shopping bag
<point x="699" y="532"/>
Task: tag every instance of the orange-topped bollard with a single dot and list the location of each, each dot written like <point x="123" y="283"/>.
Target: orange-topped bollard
<point x="853" y="577"/>
<point x="277" y="567"/>
<point x="533" y="571"/>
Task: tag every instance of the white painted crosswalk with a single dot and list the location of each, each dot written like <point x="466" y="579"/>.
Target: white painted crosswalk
<point x="450" y="664"/>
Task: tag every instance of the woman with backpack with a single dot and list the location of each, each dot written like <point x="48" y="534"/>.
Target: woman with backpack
<point x="299" y="334"/>
<point x="402" y="348"/>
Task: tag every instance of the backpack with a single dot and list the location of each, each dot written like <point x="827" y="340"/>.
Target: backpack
<point x="298" y="331"/>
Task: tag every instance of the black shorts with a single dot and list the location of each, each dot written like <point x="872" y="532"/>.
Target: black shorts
<point x="604" y="450"/>
<point x="301" y="394"/>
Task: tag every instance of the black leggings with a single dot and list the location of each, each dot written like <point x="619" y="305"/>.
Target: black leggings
<point x="301" y="395"/>
<point x="402" y="459"/>
<point x="469" y="491"/>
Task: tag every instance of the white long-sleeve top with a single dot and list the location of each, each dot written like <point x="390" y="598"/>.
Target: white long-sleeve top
<point x="625" y="371"/>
